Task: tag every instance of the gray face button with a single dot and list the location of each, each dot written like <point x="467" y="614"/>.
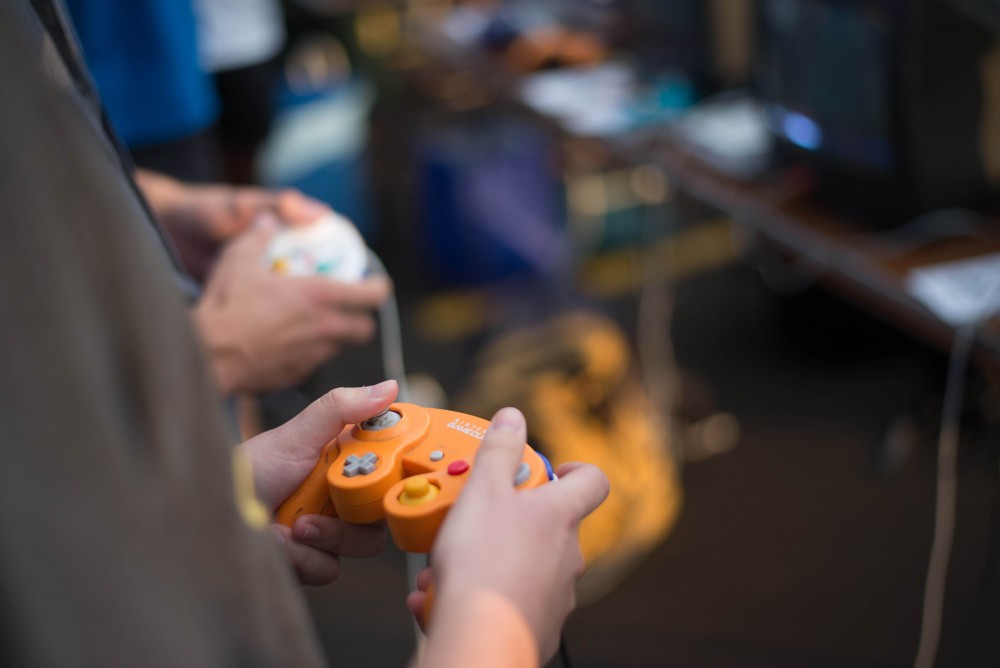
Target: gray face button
<point x="522" y="475"/>
<point x="355" y="465"/>
<point x="437" y="456"/>
<point x="383" y="421"/>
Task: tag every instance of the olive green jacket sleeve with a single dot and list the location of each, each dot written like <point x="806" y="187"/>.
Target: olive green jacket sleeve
<point x="120" y="540"/>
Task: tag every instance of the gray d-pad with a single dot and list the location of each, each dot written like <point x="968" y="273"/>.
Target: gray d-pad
<point x="522" y="475"/>
<point x="355" y="465"/>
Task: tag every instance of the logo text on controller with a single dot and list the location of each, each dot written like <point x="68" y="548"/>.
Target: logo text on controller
<point x="467" y="428"/>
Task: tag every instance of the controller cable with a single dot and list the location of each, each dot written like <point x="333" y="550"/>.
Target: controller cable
<point x="391" y="335"/>
<point x="946" y="499"/>
<point x="395" y="368"/>
<point x="563" y="652"/>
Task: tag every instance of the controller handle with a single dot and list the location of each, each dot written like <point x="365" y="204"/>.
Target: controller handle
<point x="313" y="496"/>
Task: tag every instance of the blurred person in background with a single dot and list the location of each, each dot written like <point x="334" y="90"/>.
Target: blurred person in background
<point x="144" y="59"/>
<point x="263" y="332"/>
<point x="131" y="531"/>
<point x="188" y="84"/>
<point x="240" y="43"/>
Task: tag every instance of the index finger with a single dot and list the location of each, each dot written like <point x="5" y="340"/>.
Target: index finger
<point x="580" y="490"/>
<point x="298" y="209"/>
<point x="501" y="451"/>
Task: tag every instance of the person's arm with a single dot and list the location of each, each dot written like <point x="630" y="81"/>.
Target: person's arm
<point x="503" y="594"/>
<point x="483" y="629"/>
<point x="221" y="210"/>
<point x="201" y="218"/>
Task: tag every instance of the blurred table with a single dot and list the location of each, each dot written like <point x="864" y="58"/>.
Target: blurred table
<point x="838" y="251"/>
<point x="833" y="250"/>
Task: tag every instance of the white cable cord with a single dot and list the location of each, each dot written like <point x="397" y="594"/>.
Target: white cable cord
<point x="654" y="339"/>
<point x="394" y="367"/>
<point x="947" y="495"/>
<point x="392" y="336"/>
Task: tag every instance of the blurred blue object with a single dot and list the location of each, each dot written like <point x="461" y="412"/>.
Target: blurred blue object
<point x="491" y="203"/>
<point x="143" y="57"/>
<point x="319" y="143"/>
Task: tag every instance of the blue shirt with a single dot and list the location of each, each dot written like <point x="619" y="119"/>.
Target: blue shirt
<point x="143" y="55"/>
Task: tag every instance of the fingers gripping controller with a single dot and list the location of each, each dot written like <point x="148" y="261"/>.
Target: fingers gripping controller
<point x="406" y="466"/>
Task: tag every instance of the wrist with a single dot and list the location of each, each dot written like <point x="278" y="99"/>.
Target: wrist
<point x="478" y="627"/>
<point x="225" y="355"/>
<point x="162" y="192"/>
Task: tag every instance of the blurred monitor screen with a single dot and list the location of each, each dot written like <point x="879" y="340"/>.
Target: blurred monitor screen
<point x="985" y="11"/>
<point x="824" y="69"/>
<point x="889" y="100"/>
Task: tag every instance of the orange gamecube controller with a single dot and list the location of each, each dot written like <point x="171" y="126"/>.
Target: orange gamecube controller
<point x="406" y="466"/>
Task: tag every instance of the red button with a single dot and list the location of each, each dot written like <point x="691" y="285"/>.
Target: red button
<point x="458" y="468"/>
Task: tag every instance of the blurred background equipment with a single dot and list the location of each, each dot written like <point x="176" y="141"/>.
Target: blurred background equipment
<point x="578" y="385"/>
<point x="894" y="104"/>
<point x="489" y="203"/>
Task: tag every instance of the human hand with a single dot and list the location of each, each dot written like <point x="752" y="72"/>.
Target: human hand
<point x="520" y="545"/>
<point x="201" y="218"/>
<point x="264" y="331"/>
<point x="281" y="460"/>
